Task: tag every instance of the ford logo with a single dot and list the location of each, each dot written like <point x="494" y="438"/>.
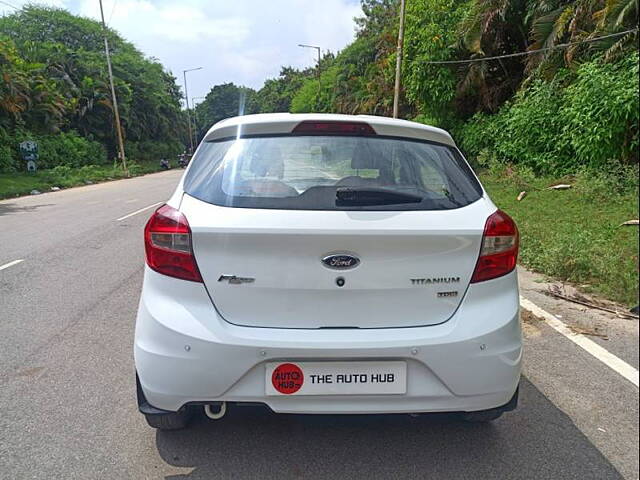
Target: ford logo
<point x="341" y="261"/>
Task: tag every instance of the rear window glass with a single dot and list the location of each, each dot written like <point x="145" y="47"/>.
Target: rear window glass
<point x="331" y="173"/>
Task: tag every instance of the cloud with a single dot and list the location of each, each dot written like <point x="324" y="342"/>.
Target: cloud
<point x="241" y="41"/>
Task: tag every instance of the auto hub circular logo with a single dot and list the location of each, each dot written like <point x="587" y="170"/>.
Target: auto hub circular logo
<point x="287" y="378"/>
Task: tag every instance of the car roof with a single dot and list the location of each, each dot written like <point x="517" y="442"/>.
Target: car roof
<point x="282" y="123"/>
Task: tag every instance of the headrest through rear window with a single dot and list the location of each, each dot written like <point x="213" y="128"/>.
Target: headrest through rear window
<point x="267" y="162"/>
<point x="364" y="158"/>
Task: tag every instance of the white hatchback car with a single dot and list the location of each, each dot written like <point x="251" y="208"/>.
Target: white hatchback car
<point x="328" y="264"/>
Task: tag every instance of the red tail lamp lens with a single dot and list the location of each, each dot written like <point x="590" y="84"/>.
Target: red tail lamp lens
<point x="167" y="243"/>
<point x="499" y="252"/>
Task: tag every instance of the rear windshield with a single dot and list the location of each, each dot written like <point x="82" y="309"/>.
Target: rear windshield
<point x="331" y="173"/>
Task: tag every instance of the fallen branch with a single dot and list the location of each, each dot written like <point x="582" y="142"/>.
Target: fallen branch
<point x="592" y="305"/>
<point x="588" y="331"/>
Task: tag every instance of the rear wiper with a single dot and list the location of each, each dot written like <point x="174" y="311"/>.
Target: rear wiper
<point x="361" y="196"/>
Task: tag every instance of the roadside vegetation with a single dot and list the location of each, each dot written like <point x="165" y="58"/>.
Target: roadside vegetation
<point x="62" y="176"/>
<point x="55" y="91"/>
<point x="575" y="235"/>
<point x="568" y="113"/>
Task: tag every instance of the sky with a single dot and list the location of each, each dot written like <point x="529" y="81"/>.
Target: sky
<point x="240" y="41"/>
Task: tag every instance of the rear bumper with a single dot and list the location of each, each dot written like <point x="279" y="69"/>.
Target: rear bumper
<point x="184" y="353"/>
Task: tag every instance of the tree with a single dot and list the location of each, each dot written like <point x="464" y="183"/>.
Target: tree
<point x="431" y="34"/>
<point x="59" y="81"/>
<point x="224" y="101"/>
<point x="358" y="80"/>
<point x="492" y="28"/>
<point x="277" y="93"/>
<point x="559" y="22"/>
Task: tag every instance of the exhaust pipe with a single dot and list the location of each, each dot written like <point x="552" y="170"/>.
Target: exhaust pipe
<point x="216" y="415"/>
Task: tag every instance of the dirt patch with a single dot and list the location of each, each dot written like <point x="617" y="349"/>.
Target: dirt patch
<point x="530" y="323"/>
<point x="527" y="317"/>
<point x="530" y="326"/>
<point x="29" y="372"/>
<point x="574" y="295"/>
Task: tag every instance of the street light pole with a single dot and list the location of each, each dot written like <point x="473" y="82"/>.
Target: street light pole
<point x="114" y="100"/>
<point x="317" y="72"/>
<point x="396" y="89"/>
<point x="186" y="97"/>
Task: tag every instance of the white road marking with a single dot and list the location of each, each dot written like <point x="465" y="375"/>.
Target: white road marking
<point x="11" y="264"/>
<point x="591" y="347"/>
<point x="138" y="211"/>
<point x="131" y="200"/>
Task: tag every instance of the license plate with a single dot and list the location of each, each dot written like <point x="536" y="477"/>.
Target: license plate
<point x="336" y="378"/>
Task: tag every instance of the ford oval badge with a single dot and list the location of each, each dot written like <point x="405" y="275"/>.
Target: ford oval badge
<point x="341" y="261"/>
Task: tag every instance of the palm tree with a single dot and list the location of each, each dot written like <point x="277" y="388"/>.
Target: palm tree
<point x="580" y="23"/>
<point x="618" y="16"/>
<point x="493" y="28"/>
<point x="14" y="85"/>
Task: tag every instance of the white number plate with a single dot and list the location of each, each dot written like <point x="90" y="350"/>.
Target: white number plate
<point x="336" y="378"/>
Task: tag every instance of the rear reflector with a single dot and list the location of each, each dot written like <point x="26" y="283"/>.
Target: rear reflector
<point x="499" y="252"/>
<point x="311" y="127"/>
<point x="167" y="243"/>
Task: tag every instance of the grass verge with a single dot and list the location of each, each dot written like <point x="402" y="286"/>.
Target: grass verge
<point x="575" y="234"/>
<point x="22" y="183"/>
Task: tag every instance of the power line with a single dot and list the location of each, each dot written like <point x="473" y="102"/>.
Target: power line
<point x="529" y="52"/>
<point x="9" y="5"/>
<point x="113" y="9"/>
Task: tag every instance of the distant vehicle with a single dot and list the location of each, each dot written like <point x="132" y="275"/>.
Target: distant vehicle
<point x="164" y="164"/>
<point x="328" y="264"/>
<point x="183" y="160"/>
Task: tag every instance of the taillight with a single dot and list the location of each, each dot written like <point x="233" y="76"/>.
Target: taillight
<point x="329" y="127"/>
<point x="499" y="252"/>
<point x="167" y="242"/>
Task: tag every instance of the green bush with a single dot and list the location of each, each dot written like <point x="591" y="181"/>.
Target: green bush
<point x="69" y="149"/>
<point x="600" y="112"/>
<point x="586" y="119"/>
<point x="135" y="168"/>
<point x="477" y="135"/>
<point x="153" y="151"/>
<point x="6" y="159"/>
<point x="7" y="154"/>
<point x="63" y="149"/>
<point x="527" y="131"/>
<point x="607" y="183"/>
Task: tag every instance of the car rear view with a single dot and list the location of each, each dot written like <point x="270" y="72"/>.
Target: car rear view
<point x="328" y="264"/>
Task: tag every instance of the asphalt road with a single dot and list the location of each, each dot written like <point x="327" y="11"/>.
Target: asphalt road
<point x="67" y="315"/>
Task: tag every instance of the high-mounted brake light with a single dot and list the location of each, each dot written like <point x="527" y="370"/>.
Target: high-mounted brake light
<point x="312" y="127"/>
<point x="499" y="252"/>
<point x="167" y="243"/>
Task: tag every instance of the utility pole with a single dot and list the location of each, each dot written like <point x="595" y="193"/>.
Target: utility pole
<point x="396" y="89"/>
<point x="186" y="97"/>
<point x="114" y="100"/>
<point x="317" y="71"/>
